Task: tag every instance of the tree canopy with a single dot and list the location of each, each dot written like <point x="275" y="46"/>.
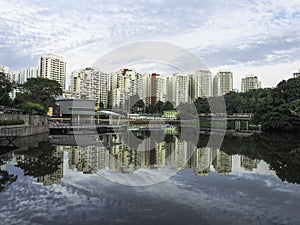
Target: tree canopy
<point x="276" y="109"/>
<point x="38" y="94"/>
<point x="5" y="87"/>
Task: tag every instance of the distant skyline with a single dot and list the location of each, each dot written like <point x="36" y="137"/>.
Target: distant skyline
<point x="248" y="37"/>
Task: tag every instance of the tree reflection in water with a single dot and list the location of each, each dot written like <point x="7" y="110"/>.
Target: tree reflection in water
<point x="6" y="179"/>
<point x="280" y="151"/>
<point x="39" y="161"/>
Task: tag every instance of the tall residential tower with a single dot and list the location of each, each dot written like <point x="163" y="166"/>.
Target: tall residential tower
<point x="53" y="67"/>
<point x="203" y="83"/>
<point x="250" y="82"/>
<point x="223" y="82"/>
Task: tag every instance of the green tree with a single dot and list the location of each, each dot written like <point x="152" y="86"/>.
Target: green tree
<point x="202" y="105"/>
<point x="38" y="93"/>
<point x="168" y="106"/>
<point x="34" y="107"/>
<point x="101" y="105"/>
<point x="5" y="87"/>
<point x="277" y="111"/>
<point x="139" y="106"/>
<point x="158" y="107"/>
<point x="149" y="109"/>
<point x="130" y="103"/>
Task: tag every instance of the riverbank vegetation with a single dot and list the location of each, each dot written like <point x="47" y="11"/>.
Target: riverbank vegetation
<point x="11" y="122"/>
<point x="276" y="109"/>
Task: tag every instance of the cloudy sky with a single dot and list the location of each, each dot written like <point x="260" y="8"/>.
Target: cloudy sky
<point x="247" y="36"/>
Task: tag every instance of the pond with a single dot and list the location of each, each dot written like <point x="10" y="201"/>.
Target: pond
<point x="152" y="177"/>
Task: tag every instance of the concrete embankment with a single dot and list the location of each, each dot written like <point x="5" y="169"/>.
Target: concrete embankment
<point x="23" y="131"/>
<point x="15" y="135"/>
<point x="28" y="119"/>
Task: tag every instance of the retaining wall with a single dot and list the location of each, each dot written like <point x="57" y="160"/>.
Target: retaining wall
<point x="28" y="119"/>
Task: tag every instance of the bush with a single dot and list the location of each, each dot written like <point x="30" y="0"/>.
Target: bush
<point x="11" y="122"/>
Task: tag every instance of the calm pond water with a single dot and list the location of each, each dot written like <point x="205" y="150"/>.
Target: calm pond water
<point x="131" y="178"/>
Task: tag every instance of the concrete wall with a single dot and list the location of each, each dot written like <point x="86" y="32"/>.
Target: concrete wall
<point x="23" y="131"/>
<point x="28" y="119"/>
<point x="24" y="143"/>
<point x="76" y="107"/>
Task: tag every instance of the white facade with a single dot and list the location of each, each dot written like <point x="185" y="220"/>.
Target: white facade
<point x="180" y="89"/>
<point x="202" y="83"/>
<point x="250" y="82"/>
<point x="154" y="88"/>
<point x="31" y="72"/>
<point x="53" y="67"/>
<point x="118" y="98"/>
<point x="123" y="84"/>
<point x="223" y="82"/>
<point x="17" y="76"/>
<point x="90" y="83"/>
<point x="21" y="76"/>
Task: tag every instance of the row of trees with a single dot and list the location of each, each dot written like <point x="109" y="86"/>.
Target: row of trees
<point x="136" y="105"/>
<point x="274" y="108"/>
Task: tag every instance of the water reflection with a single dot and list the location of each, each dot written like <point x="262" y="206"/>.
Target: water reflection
<point x="6" y="178"/>
<point x="281" y="152"/>
<point x="111" y="152"/>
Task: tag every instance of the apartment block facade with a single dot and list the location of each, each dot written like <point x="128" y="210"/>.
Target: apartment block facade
<point x="250" y="82"/>
<point x="53" y="67"/>
<point x="223" y="82"/>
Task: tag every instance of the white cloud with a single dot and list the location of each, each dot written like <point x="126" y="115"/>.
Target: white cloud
<point x="220" y="32"/>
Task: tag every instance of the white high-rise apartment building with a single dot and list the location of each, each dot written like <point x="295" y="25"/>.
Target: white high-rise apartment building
<point x="169" y="89"/>
<point x="180" y="89"/>
<point x="154" y="89"/>
<point x="123" y="84"/>
<point x="90" y="83"/>
<point x="53" y="67"/>
<point x="250" y="82"/>
<point x="31" y="72"/>
<point x="203" y="83"/>
<point x="21" y="76"/>
<point x="223" y="82"/>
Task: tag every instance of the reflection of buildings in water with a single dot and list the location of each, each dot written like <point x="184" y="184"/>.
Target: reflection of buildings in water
<point x="201" y="161"/>
<point x="149" y="154"/>
<point x="122" y="159"/>
<point x="9" y="159"/>
<point x="177" y="154"/>
<point x="171" y="130"/>
<point x="222" y="162"/>
<point x="248" y="163"/>
<point x="54" y="178"/>
<point x="88" y="159"/>
<point x="119" y="157"/>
